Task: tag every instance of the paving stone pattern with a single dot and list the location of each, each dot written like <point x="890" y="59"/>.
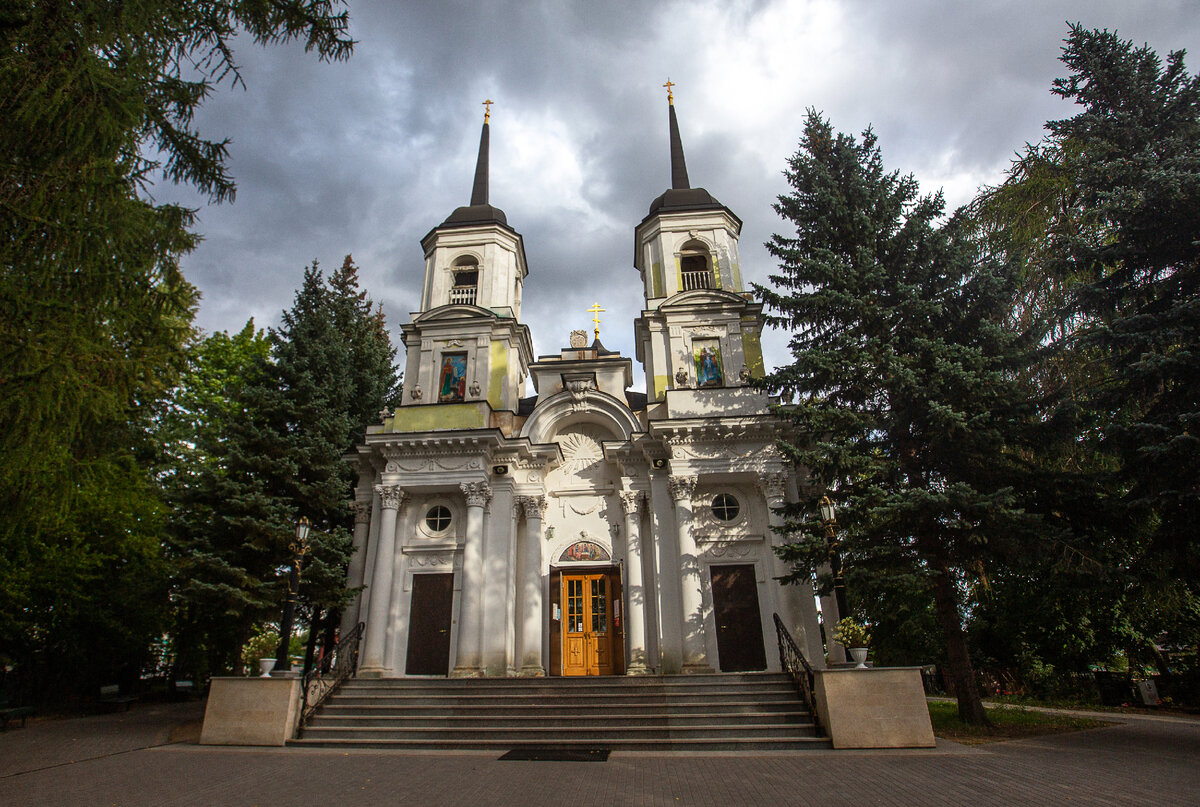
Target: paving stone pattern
<point x="114" y="760"/>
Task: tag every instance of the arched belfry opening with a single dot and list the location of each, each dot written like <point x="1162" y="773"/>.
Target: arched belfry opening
<point x="695" y="267"/>
<point x="464" y="288"/>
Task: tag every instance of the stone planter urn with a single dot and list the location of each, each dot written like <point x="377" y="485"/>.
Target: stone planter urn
<point x="265" y="665"/>
<point x="859" y="654"/>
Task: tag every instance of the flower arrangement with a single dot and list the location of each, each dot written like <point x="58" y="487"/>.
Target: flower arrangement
<point x="851" y="634"/>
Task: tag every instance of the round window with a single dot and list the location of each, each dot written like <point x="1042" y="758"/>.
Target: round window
<point x="725" y="507"/>
<point x="438" y="518"/>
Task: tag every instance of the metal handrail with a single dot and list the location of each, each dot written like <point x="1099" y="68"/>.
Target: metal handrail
<point x="336" y="666"/>
<point x="795" y="664"/>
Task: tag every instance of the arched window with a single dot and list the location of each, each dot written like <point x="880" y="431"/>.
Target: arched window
<point x="694" y="266"/>
<point x="464" y="289"/>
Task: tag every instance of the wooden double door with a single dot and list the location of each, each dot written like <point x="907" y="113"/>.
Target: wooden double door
<point x="589" y="630"/>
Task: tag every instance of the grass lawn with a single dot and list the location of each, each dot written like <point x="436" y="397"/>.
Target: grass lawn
<point x="1008" y="723"/>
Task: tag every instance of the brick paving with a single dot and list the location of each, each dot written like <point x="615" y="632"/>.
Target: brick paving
<point x="125" y="760"/>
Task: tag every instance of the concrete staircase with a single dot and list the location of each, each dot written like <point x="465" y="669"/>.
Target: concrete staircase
<point x="729" y="711"/>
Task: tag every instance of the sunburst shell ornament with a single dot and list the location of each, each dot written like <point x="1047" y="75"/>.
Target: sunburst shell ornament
<point x="579" y="452"/>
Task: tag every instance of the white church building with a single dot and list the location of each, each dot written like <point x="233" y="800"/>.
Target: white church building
<point x="588" y="529"/>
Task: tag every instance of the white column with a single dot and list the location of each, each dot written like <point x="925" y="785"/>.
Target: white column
<point x="381" y="583"/>
<point x="358" y="562"/>
<point x="635" y="586"/>
<point x="531" y="585"/>
<point x="497" y="585"/>
<point x="798" y="610"/>
<point x="471" y="611"/>
<point x="695" y="644"/>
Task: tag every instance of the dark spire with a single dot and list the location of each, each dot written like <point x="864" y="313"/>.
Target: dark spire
<point x="479" y="191"/>
<point x="679" y="177"/>
<point x="681" y="195"/>
<point x="479" y="211"/>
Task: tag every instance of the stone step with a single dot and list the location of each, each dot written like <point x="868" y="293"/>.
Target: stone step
<point x="535" y="735"/>
<point x="597" y="709"/>
<point x="679" y="701"/>
<point x="329" y="720"/>
<point x="745" y="744"/>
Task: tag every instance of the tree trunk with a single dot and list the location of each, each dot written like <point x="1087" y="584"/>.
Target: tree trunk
<point x="970" y="706"/>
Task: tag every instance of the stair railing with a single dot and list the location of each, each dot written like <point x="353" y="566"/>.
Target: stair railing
<point x="335" y="667"/>
<point x="796" y="665"/>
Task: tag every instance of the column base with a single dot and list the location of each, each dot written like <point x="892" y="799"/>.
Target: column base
<point x="697" y="668"/>
<point x="372" y="672"/>
<point x="533" y="671"/>
<point x="638" y="669"/>
<point x="466" y="672"/>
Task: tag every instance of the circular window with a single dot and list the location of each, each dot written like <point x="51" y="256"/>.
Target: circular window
<point x="725" y="507"/>
<point x="438" y="518"/>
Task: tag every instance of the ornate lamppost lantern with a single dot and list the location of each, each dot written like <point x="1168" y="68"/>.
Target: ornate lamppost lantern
<point x="829" y="519"/>
<point x="299" y="548"/>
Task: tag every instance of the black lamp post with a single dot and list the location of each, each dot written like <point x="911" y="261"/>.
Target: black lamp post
<point x="299" y="549"/>
<point x="829" y="519"/>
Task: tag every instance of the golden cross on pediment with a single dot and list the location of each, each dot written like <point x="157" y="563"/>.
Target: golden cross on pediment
<point x="596" y="311"/>
<point x="487" y="112"/>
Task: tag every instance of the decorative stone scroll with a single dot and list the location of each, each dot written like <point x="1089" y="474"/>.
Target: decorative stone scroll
<point x="478" y="493"/>
<point x="390" y="496"/>
<point x="583" y="552"/>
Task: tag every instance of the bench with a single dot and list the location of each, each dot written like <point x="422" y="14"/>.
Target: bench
<point x="111" y="696"/>
<point x="8" y="713"/>
<point x="183" y="690"/>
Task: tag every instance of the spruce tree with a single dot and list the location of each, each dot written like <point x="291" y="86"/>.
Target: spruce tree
<point x="902" y="382"/>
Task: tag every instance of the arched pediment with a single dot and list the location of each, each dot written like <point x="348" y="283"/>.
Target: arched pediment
<point x="697" y="297"/>
<point x="454" y="312"/>
<point x="589" y="406"/>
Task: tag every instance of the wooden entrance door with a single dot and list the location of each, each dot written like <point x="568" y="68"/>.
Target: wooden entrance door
<point x="739" y="624"/>
<point x="429" y="624"/>
<point x="587" y="625"/>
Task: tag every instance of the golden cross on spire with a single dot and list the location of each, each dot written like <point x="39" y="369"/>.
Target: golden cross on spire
<point x="670" y="95"/>
<point x="596" y="311"/>
<point x="487" y="113"/>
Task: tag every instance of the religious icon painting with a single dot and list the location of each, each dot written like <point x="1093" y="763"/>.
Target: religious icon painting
<point x="453" y="386"/>
<point x="708" y="362"/>
<point x="585" y="551"/>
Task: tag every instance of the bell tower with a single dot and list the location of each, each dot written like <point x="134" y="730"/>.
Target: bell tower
<point x="466" y="345"/>
<point x="700" y="329"/>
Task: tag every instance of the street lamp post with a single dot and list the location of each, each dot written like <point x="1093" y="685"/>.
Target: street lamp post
<point x="299" y="547"/>
<point x="829" y="519"/>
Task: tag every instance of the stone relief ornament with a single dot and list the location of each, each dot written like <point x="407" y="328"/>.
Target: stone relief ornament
<point x="535" y="506"/>
<point x="631" y="501"/>
<point x="362" y="512"/>
<point x="390" y="496"/>
<point x="744" y="374"/>
<point x="681" y="487"/>
<point x="384" y="414"/>
<point x="474" y="389"/>
<point x="478" y="493"/>
<point x="681" y="378"/>
<point x="773" y="486"/>
<point x="416" y="393"/>
<point x="578" y="339"/>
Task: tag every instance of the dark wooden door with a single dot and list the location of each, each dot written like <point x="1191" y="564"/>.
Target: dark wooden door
<point x="429" y="624"/>
<point x="739" y="624"/>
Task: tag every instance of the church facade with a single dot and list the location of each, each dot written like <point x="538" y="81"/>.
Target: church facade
<point x="589" y="529"/>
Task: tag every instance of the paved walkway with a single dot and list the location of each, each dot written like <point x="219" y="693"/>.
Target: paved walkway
<point x="128" y="759"/>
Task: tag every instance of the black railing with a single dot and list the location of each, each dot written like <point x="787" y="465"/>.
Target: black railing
<point x="796" y="665"/>
<point x="335" y="667"/>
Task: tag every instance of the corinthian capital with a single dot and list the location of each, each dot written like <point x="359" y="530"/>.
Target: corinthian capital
<point x="774" y="486"/>
<point x="362" y="512"/>
<point x="681" y="487"/>
<point x="390" y="496"/>
<point x="535" y="506"/>
<point x="478" y="493"/>
<point x="631" y="501"/>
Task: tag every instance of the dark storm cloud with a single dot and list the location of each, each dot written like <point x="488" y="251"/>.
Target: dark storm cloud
<point x="365" y="157"/>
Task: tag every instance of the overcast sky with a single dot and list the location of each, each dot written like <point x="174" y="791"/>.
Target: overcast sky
<point x="368" y="155"/>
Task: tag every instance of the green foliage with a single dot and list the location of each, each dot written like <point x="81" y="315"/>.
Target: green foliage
<point x="94" y="314"/>
<point x="281" y="424"/>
